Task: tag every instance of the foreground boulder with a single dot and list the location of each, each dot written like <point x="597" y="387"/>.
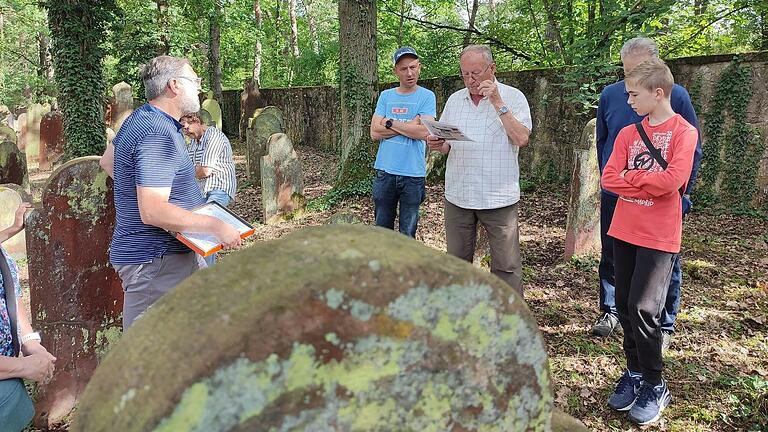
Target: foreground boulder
<point x="339" y="327"/>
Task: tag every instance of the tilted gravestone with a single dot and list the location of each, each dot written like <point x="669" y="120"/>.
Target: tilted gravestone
<point x="339" y="327"/>
<point x="282" y="181"/>
<point x="266" y="122"/>
<point x="582" y="232"/>
<point x="205" y="118"/>
<point x="13" y="165"/>
<point x="214" y="109"/>
<point x="11" y="195"/>
<point x="76" y="296"/>
<point x="35" y="114"/>
<point x="122" y="106"/>
<point x="51" y="139"/>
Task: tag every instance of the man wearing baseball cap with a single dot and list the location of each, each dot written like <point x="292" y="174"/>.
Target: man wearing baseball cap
<point x="400" y="164"/>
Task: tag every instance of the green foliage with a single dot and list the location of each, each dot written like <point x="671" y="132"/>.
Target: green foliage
<point x="749" y="401"/>
<point x="733" y="149"/>
<point x="340" y="193"/>
<point x="78" y="30"/>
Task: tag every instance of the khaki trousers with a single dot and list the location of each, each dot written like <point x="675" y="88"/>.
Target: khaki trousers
<point x="503" y="235"/>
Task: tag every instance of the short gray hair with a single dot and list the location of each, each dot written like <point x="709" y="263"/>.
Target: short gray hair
<point x="639" y="45"/>
<point x="158" y="72"/>
<point x="482" y="49"/>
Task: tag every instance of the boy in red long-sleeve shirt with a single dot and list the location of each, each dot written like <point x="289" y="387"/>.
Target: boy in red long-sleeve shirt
<point x="647" y="227"/>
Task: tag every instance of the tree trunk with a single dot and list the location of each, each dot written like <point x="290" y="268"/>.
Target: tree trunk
<point x="214" y="52"/>
<point x="402" y="21"/>
<point x="163" y="24"/>
<point x="492" y="10"/>
<point x="358" y="82"/>
<point x="312" y="24"/>
<point x="294" y="39"/>
<point x="251" y="96"/>
<point x="471" y="24"/>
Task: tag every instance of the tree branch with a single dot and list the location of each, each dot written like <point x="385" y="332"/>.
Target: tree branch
<point x="490" y="39"/>
<point x="23" y="57"/>
<point x="701" y="30"/>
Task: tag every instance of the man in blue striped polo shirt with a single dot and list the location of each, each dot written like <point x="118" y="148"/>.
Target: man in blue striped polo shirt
<point x="154" y="184"/>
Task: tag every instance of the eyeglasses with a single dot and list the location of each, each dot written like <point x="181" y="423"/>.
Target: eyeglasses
<point x="473" y="75"/>
<point x="198" y="81"/>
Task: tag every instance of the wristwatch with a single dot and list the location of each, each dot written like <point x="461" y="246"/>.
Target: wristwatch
<point x="29" y="337"/>
<point x="503" y="110"/>
<point x="388" y="124"/>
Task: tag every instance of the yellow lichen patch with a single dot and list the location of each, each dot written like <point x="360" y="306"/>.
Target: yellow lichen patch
<point x="189" y="412"/>
<point x="385" y="325"/>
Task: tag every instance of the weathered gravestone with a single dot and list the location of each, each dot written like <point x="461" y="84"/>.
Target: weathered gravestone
<point x="21" y="137"/>
<point x="7" y="133"/>
<point x="122" y="106"/>
<point x="582" y="232"/>
<point x="35" y="114"/>
<point x="13" y="165"/>
<point x="266" y="121"/>
<point x="51" y="139"/>
<point x="11" y="195"/>
<point x="341" y="218"/>
<point x="332" y="328"/>
<point x="205" y="118"/>
<point x="282" y="181"/>
<point x="76" y="296"/>
<point x="214" y="109"/>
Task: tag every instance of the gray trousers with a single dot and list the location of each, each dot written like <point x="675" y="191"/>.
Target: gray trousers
<point x="16" y="410"/>
<point x="144" y="284"/>
<point x="503" y="236"/>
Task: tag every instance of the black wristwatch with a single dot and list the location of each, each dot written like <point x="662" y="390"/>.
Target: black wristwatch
<point x="388" y="124"/>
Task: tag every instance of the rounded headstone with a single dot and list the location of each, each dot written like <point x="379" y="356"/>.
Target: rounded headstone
<point x="260" y="128"/>
<point x="13" y="165"/>
<point x="329" y="328"/>
<point x="11" y="195"/>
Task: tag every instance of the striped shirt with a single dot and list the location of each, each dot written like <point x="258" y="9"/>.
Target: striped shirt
<point x="150" y="152"/>
<point x="214" y="151"/>
<point x="484" y="174"/>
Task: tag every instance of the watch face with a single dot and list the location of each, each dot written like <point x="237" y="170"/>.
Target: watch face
<point x="388" y="123"/>
<point x="503" y="110"/>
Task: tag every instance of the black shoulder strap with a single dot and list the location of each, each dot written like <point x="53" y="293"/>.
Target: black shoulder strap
<point x="653" y="150"/>
<point x="10" y="301"/>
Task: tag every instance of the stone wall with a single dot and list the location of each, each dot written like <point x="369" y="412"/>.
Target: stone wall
<point x="311" y="112"/>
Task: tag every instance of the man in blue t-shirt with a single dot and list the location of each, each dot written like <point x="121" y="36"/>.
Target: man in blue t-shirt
<point x="613" y="114"/>
<point x="155" y="188"/>
<point x="401" y="165"/>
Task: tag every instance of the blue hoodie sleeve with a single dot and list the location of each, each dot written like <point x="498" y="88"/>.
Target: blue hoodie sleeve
<point x="681" y="104"/>
<point x="601" y="131"/>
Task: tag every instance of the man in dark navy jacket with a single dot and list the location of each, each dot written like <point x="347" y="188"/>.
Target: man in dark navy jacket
<point x="613" y="114"/>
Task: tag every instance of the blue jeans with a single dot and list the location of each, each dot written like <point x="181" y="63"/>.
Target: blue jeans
<point x="388" y="191"/>
<point x="222" y="198"/>
<point x="16" y="410"/>
<point x="606" y="271"/>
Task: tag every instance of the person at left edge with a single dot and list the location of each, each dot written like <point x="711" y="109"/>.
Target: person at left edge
<point x="401" y="166"/>
<point x="155" y="188"/>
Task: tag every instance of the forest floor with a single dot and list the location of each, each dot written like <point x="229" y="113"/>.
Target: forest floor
<point x="717" y="364"/>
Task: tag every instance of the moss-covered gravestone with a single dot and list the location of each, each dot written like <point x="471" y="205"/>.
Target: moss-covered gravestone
<point x="214" y="109"/>
<point x="11" y="195"/>
<point x="13" y="165"/>
<point x="282" y="181"/>
<point x="76" y="296"/>
<point x="332" y="328"/>
<point x="7" y="133"/>
<point x="51" y="139"/>
<point x="266" y="122"/>
<point x="21" y="137"/>
<point x="582" y="232"/>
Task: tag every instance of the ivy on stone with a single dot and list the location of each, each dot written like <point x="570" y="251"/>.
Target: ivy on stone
<point x="79" y="30"/>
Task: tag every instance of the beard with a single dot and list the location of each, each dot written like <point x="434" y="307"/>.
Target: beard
<point x="189" y="103"/>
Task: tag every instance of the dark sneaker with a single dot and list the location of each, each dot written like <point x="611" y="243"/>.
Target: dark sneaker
<point x="625" y="394"/>
<point x="605" y="325"/>
<point x="666" y="338"/>
<point x="650" y="402"/>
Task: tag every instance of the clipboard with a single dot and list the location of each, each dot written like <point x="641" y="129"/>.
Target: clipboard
<point x="205" y="244"/>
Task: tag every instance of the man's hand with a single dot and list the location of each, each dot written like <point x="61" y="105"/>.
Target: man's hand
<point x="37" y="367"/>
<point x="21" y="210"/>
<point x="437" y="144"/>
<point x="202" y="172"/>
<point x="490" y="90"/>
<point x="228" y="236"/>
